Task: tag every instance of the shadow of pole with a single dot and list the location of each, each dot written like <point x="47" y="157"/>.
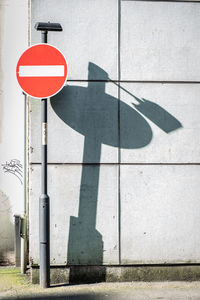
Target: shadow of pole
<point x="85" y="242"/>
<point x="94" y="114"/>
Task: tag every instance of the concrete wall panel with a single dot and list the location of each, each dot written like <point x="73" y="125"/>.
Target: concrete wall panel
<point x="160" y="41"/>
<point x="162" y="123"/>
<point x="89" y="33"/>
<point x="160" y="214"/>
<point x="84" y="214"/>
<point x="159" y="123"/>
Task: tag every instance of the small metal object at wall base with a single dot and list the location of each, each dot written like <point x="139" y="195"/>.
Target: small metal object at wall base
<point x="17" y="247"/>
<point x="23" y="227"/>
<point x="93" y="274"/>
<point x="23" y="234"/>
<point x="20" y="241"/>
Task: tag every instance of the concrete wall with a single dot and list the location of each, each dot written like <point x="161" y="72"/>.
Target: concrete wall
<point x="123" y="155"/>
<point x="13" y="40"/>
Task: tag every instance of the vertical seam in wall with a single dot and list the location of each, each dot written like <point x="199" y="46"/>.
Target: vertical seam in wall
<point x="29" y="22"/>
<point x="119" y="153"/>
<point x="28" y="108"/>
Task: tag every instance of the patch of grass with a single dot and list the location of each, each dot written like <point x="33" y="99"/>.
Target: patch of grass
<point x="11" y="278"/>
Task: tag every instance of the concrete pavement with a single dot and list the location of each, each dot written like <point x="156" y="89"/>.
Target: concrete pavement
<point x="13" y="285"/>
<point x="109" y="291"/>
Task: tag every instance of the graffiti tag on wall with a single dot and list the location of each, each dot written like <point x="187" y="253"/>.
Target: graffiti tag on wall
<point x="14" y="167"/>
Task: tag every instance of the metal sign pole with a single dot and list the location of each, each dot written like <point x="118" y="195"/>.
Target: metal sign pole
<point x="44" y="216"/>
<point x="44" y="211"/>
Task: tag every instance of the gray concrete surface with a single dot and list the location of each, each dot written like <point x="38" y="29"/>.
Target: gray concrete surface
<point x="171" y="110"/>
<point x="67" y="221"/>
<point x="107" y="273"/>
<point x="138" y="200"/>
<point x="163" y="216"/>
<point x="157" y="43"/>
<point x="114" y="291"/>
<point x="89" y="30"/>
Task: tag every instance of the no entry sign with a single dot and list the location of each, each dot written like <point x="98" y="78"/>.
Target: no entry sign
<point x="41" y="71"/>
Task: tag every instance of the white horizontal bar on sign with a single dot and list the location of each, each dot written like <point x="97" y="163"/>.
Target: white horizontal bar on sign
<point x="41" y="71"/>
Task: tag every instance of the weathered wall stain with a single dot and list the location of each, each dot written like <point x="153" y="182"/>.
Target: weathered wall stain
<point x="6" y="231"/>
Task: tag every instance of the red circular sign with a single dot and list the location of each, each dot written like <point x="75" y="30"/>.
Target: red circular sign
<point x="41" y="71"/>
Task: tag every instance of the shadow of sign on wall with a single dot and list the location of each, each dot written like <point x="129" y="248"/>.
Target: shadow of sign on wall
<point x="94" y="114"/>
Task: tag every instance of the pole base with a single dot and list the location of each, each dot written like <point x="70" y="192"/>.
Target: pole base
<point x="44" y="226"/>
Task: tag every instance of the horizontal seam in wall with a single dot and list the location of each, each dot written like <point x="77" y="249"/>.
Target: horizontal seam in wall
<point x="125" y="164"/>
<point x="137" y="81"/>
<point x="189" y="1"/>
